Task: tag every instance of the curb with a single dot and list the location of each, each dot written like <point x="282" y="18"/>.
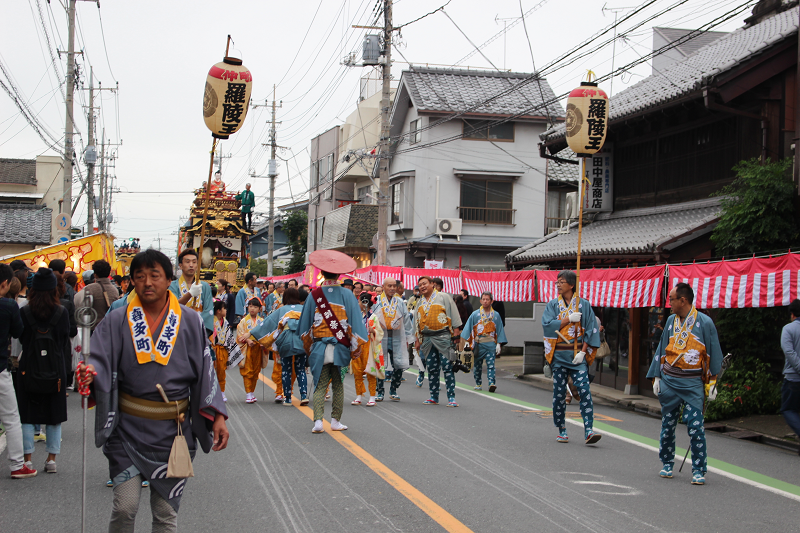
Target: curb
<point x="636" y="404"/>
<point x="649" y="409"/>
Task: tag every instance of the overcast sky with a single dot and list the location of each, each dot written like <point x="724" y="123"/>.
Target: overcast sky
<point x="160" y="53"/>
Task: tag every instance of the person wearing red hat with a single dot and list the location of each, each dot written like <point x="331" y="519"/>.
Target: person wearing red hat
<point x="332" y="330"/>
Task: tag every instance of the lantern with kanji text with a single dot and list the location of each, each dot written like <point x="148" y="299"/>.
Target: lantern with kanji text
<point x="227" y="97"/>
<point x="587" y="118"/>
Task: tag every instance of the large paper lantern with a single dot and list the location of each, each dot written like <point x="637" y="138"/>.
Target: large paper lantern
<point x="587" y="119"/>
<point x="227" y="97"/>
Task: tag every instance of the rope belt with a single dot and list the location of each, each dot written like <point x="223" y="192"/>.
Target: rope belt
<point x="131" y="405"/>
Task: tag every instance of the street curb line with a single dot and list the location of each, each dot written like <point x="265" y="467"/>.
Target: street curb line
<point x="730" y="471"/>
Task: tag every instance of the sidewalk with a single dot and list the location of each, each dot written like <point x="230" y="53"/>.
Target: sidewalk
<point x="766" y="429"/>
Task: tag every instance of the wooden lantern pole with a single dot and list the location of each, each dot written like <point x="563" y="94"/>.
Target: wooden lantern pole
<point x="580" y="232"/>
<point x="205" y="212"/>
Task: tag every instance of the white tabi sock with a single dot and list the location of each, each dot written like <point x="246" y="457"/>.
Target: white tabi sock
<point x="318" y="426"/>
<point x="337" y="426"/>
<point x="358" y="398"/>
<point x="372" y="399"/>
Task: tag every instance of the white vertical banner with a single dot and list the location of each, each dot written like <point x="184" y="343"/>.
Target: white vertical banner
<point x="600" y="173"/>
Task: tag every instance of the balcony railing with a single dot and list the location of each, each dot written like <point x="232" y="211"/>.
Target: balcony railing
<point x="484" y="215"/>
<point x="554" y="224"/>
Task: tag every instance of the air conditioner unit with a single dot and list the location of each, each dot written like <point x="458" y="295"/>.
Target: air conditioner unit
<point x="448" y="226"/>
<point x="572" y="205"/>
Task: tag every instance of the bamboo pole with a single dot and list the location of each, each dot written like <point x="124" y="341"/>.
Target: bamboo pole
<point x="580" y="232"/>
<point x="205" y="213"/>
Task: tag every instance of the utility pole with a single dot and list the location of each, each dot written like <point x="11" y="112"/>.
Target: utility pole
<point x="101" y="217"/>
<point x="383" y="196"/>
<point x="90" y="157"/>
<point x="273" y="173"/>
<point x="69" y="126"/>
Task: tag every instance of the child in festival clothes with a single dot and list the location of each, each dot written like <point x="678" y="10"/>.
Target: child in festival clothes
<point x="251" y="366"/>
<point x="222" y="332"/>
<point x="371" y="360"/>
<point x="279" y="334"/>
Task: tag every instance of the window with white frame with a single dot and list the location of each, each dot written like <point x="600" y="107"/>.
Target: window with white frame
<point x="397" y="202"/>
<point x="365" y="195"/>
<point x="415" y="135"/>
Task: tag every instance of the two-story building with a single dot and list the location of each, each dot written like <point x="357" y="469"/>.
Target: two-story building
<point x="30" y="193"/>
<point x="467" y="185"/>
<point x="673" y="139"/>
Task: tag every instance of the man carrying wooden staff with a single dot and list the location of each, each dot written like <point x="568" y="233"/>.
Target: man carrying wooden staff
<point x="568" y="320"/>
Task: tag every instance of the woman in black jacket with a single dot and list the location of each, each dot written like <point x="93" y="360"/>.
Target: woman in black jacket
<point x="65" y="300"/>
<point x="43" y="313"/>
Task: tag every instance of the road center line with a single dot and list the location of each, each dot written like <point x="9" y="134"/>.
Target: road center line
<point x="728" y="470"/>
<point x="428" y="506"/>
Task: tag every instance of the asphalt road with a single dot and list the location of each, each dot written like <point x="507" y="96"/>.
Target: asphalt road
<point x="491" y="464"/>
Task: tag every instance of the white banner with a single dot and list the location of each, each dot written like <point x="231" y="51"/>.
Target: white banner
<point x="230" y="243"/>
<point x="600" y="172"/>
<point x="430" y="264"/>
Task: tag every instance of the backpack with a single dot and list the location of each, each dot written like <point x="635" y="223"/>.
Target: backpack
<point x="41" y="366"/>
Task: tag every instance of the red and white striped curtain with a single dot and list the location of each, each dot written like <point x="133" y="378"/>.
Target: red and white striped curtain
<point x="613" y="287"/>
<point x="451" y="278"/>
<point x="286" y="277"/>
<point x="505" y="286"/>
<point x="762" y="282"/>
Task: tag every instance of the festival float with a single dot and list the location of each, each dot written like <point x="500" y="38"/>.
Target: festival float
<point x="125" y="251"/>
<point x="225" y="238"/>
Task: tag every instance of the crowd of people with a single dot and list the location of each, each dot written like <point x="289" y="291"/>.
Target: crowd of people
<point x="160" y="336"/>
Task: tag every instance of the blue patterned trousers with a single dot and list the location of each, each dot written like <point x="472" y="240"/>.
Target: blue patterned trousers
<point x="581" y="380"/>
<point x="435" y="363"/>
<point x="300" y="372"/>
<point x="693" y="418"/>
<point x="484" y="351"/>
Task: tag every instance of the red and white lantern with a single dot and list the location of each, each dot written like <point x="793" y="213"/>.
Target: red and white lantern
<point x="227" y="97"/>
<point x="587" y="119"/>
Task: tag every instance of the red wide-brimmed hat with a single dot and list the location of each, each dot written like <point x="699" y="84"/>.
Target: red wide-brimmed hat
<point x="332" y="261"/>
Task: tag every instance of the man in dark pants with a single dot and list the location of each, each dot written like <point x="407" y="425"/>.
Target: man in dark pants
<point x="790" y="391"/>
<point x="248" y="203"/>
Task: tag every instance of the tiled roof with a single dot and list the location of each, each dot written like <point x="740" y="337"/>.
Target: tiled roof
<point x="18" y="171"/>
<point x="689" y="75"/>
<point x="692" y="45"/>
<point x="454" y="90"/>
<point x="25" y="224"/>
<point x="632" y="232"/>
<point x="558" y="171"/>
<point x="351" y="226"/>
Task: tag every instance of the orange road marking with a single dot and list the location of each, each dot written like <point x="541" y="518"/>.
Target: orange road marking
<point x="428" y="506"/>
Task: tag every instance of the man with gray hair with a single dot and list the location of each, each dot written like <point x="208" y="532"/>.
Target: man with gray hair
<point x="275" y="300"/>
<point x="397" y="327"/>
<point x="568" y="322"/>
<point x="248" y="200"/>
<point x="484" y="335"/>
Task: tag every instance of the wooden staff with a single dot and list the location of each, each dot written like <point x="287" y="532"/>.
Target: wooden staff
<point x="205" y="213"/>
<point x="580" y="232"/>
